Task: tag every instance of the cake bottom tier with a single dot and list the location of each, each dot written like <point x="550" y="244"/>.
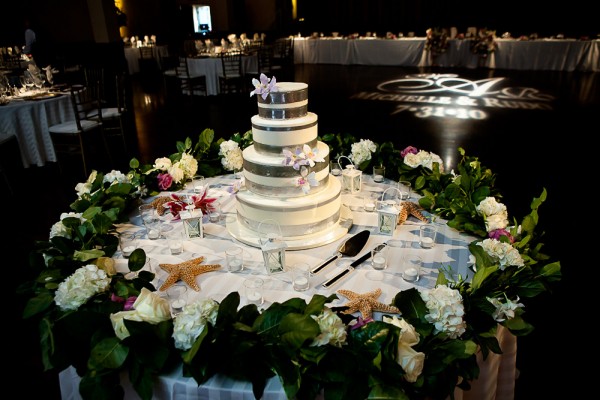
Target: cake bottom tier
<point x="296" y="216"/>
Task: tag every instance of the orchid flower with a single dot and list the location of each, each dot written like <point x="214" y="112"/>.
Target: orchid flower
<point x="306" y="182"/>
<point x="264" y="86"/>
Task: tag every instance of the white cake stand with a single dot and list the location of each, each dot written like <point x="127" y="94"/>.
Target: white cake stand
<point x="317" y="239"/>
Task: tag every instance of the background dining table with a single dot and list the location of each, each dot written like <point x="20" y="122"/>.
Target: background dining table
<point x="212" y="68"/>
<point x="498" y="372"/>
<point x="29" y="119"/>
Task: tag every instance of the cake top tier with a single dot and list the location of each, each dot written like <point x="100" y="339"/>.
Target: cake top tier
<point x="286" y="93"/>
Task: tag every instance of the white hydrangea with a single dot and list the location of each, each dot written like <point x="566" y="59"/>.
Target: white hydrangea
<point x="86" y="187"/>
<point x="446" y="310"/>
<point x="176" y="172"/>
<point x="361" y="151"/>
<point x="59" y="229"/>
<point x="231" y="153"/>
<point x="503" y="252"/>
<point x="190" y="323"/>
<point x="506" y="310"/>
<point x="494" y="214"/>
<point x="189" y="165"/>
<point x="333" y="330"/>
<point x="115" y="176"/>
<point x="79" y="287"/>
<point x="162" y="164"/>
<point x="423" y="158"/>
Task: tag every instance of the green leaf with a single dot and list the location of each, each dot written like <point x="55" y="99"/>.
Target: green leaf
<point x="38" y="304"/>
<point x="108" y="354"/>
<point x="296" y="329"/>
<point x="86" y="255"/>
<point x="137" y="260"/>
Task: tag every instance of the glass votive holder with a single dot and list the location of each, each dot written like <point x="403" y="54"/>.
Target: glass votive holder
<point x="411" y="267"/>
<point x="334" y="168"/>
<point x="253" y="288"/>
<point x="404" y="188"/>
<point x="153" y="229"/>
<point x="378" y="258"/>
<point x="369" y="204"/>
<point x="378" y="173"/>
<point x="427" y="235"/>
<point x="214" y="212"/>
<point x="177" y="298"/>
<point x="235" y="259"/>
<point x="300" y="276"/>
<point x="127" y="243"/>
<point x="175" y="241"/>
<point x="198" y="184"/>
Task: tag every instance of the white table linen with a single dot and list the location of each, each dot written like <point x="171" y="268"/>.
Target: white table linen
<point x="29" y="121"/>
<point x="498" y="373"/>
<point x="133" y="54"/>
<point x="556" y="55"/>
<point x="212" y="67"/>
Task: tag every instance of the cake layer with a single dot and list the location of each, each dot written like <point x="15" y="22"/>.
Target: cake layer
<point x="296" y="216"/>
<point x="284" y="133"/>
<point x="267" y="175"/>
<point x="289" y="101"/>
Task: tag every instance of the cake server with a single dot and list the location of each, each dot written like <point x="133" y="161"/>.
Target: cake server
<point x="351" y="247"/>
<point x="351" y="267"/>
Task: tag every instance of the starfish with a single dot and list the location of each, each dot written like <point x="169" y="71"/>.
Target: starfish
<point x="365" y="303"/>
<point x="186" y="271"/>
<point x="409" y="208"/>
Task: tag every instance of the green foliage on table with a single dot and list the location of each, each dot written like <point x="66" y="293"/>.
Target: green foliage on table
<point x="253" y="345"/>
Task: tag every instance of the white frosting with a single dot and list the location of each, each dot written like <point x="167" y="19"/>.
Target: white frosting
<point x="285" y="138"/>
<point x="291" y="211"/>
<point x="282" y="106"/>
<point x="290" y="86"/>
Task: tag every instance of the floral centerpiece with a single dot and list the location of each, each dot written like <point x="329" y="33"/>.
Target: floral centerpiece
<point x="484" y="43"/>
<point x="105" y="323"/>
<point x="436" y="41"/>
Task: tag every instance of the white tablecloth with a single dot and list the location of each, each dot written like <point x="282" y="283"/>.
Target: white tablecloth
<point x="450" y="250"/>
<point x="560" y="55"/>
<point x="29" y="121"/>
<point x="132" y="55"/>
<point x="212" y="67"/>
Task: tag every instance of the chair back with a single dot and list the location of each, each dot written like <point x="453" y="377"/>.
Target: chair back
<point x="265" y="59"/>
<point x="232" y="64"/>
<point x="86" y="106"/>
<point x="94" y="76"/>
<point x="146" y="53"/>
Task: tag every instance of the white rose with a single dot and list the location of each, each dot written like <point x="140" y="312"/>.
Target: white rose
<point x="411" y="362"/>
<point x="408" y="334"/>
<point x="162" y="164"/>
<point x="148" y="307"/>
<point x="176" y="172"/>
<point x="118" y="322"/>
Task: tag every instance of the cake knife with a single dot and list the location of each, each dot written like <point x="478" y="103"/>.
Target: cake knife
<point x="351" y="267"/>
<point x="349" y="248"/>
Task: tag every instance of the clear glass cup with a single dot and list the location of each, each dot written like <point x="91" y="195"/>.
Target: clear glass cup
<point x="235" y="259"/>
<point x="301" y="276"/>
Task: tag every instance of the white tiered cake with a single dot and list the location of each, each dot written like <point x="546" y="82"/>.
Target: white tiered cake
<point x="304" y="200"/>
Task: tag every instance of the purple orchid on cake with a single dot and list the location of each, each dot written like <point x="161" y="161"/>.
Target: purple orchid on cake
<point x="264" y="86"/>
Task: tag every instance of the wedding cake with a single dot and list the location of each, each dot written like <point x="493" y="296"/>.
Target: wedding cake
<point x="286" y="170"/>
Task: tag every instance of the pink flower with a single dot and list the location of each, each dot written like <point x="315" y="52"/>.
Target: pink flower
<point x="164" y="181"/>
<point x="497" y="233"/>
<point x="360" y="322"/>
<point x="116" y="299"/>
<point x="409" y="149"/>
<point x="129" y="303"/>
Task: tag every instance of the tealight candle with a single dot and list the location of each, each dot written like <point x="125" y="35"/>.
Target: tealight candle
<point x="411" y="274"/>
<point x="153" y="234"/>
<point x="214" y="216"/>
<point x="254" y="296"/>
<point x="127" y="250"/>
<point x="370" y="206"/>
<point x="235" y="265"/>
<point x="378" y="262"/>
<point x="378" y="178"/>
<point x="335" y="172"/>
<point x="178" y="304"/>
<point x="426" y="242"/>
<point x="302" y="281"/>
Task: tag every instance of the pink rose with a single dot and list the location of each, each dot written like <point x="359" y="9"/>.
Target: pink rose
<point x="496" y="234"/>
<point x="164" y="181"/>
<point x="409" y="149"/>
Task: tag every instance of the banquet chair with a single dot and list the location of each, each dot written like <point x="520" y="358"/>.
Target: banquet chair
<point x="282" y="60"/>
<point x="264" y="57"/>
<point x="94" y="78"/>
<point x="231" y="78"/>
<point x="69" y="138"/>
<point x="186" y="81"/>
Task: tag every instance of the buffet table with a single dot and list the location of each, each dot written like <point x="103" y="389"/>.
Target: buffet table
<point x="29" y="121"/>
<point x="498" y="373"/>
<point x="543" y="54"/>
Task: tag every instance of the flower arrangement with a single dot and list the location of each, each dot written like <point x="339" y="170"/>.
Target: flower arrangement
<point x="436" y="41"/>
<point x="117" y="323"/>
<point x="301" y="159"/>
<point x="484" y="43"/>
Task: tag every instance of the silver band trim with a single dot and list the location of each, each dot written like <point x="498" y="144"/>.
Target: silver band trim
<point x="289" y="191"/>
<point x="282" y="171"/>
<point x="294" y="230"/>
<point x="283" y="128"/>
<point x="268" y="149"/>
<point x="284" y="97"/>
<point x="282" y="113"/>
